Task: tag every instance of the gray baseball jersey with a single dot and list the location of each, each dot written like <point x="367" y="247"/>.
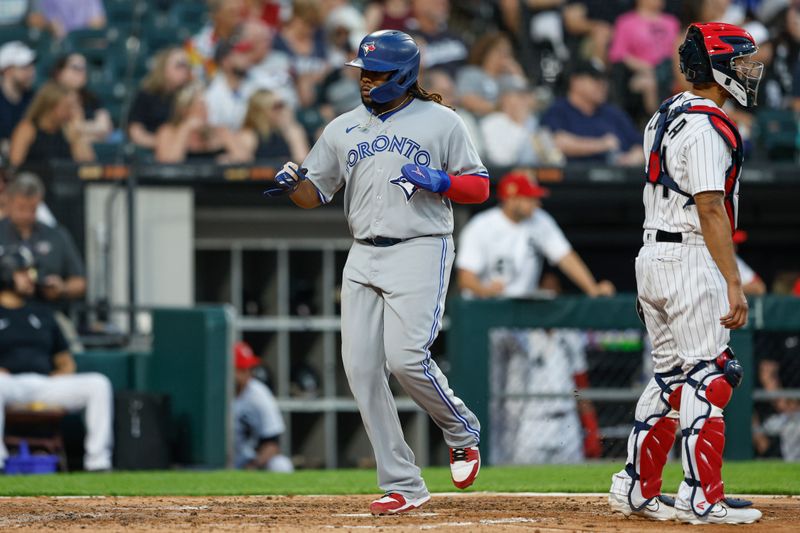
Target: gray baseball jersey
<point x="393" y="296"/>
<point x="365" y="153"/>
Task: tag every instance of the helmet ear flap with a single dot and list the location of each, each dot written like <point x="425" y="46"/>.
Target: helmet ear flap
<point x="694" y="62"/>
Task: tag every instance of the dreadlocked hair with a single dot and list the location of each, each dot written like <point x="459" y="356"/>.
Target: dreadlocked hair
<point x="418" y="92"/>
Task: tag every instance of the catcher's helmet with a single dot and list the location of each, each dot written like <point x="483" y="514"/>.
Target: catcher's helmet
<point x="389" y="51"/>
<point x="708" y="53"/>
<point x="13" y="259"/>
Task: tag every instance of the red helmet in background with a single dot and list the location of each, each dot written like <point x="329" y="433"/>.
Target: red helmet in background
<point x="709" y="54"/>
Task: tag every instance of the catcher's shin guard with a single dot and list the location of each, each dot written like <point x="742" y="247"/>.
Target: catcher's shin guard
<point x="653" y="436"/>
<point x="708" y="390"/>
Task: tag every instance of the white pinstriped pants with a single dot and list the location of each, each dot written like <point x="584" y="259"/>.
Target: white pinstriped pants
<point x="683" y="296"/>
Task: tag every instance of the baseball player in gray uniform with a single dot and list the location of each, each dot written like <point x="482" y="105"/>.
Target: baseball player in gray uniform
<point x="402" y="157"/>
<point x="689" y="288"/>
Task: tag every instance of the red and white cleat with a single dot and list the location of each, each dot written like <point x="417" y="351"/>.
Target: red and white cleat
<point x="394" y="503"/>
<point x="465" y="463"/>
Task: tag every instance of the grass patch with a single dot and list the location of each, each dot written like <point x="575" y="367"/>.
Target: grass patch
<point x="747" y="477"/>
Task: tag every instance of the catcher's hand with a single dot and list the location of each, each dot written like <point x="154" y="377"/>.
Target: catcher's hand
<point x="426" y="178"/>
<point x="287" y="180"/>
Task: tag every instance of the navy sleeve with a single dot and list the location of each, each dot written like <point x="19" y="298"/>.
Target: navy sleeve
<point x="73" y="263"/>
<point x="626" y="132"/>
<point x="553" y="118"/>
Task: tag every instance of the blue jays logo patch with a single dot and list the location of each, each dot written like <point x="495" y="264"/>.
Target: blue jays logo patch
<point x="368" y="47"/>
<point x="408" y="188"/>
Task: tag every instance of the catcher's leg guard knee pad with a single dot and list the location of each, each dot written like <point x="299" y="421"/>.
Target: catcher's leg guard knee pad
<point x="709" y="389"/>
<point x="653" y="436"/>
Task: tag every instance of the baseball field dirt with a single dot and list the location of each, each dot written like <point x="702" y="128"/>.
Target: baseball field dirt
<point x="488" y="512"/>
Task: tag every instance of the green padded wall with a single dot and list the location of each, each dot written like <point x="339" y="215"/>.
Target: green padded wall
<point x="191" y="361"/>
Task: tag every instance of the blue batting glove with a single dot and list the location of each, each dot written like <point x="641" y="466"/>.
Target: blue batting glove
<point x="287" y="180"/>
<point x="426" y="178"/>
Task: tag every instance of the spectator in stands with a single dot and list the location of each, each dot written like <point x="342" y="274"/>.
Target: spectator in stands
<point x="501" y="250"/>
<point x="14" y="12"/>
<point x="388" y="15"/>
<point x="64" y="16"/>
<point x="641" y="51"/>
<point x="270" y="131"/>
<point x="153" y="103"/>
<point x="778" y="87"/>
<point x="268" y="12"/>
<point x="694" y="11"/>
<point x="303" y="39"/>
<point x="61" y="278"/>
<point x="491" y="61"/>
<point x="340" y="91"/>
<point x="344" y="29"/>
<point x="512" y="135"/>
<point x="36" y="365"/>
<point x="440" y="48"/>
<point x="188" y="136"/>
<point x="590" y="26"/>
<point x="51" y="129"/>
<point x="94" y="120"/>
<point x="257" y="420"/>
<point x="227" y="94"/>
<point x="547" y="48"/>
<point x="586" y="129"/>
<point x="225" y="16"/>
<point x="271" y="69"/>
<point x="439" y="81"/>
<point x="17" y="66"/>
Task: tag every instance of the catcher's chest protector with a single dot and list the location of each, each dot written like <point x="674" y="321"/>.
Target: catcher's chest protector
<point x="657" y="169"/>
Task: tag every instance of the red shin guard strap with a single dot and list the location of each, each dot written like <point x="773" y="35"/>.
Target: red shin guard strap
<point x="468" y="189"/>
<point x="655" y="448"/>
<point x="708" y="457"/>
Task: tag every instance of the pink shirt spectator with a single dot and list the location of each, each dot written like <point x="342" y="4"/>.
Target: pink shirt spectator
<point x="648" y="39"/>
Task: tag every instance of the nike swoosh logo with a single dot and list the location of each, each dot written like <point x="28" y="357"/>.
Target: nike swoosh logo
<point x="351" y="128"/>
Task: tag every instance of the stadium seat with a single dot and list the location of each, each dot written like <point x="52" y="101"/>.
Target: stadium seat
<point x="107" y="152"/>
<point x="776" y="133"/>
<point x="158" y="33"/>
<point x="15" y="33"/>
<point x="188" y="17"/>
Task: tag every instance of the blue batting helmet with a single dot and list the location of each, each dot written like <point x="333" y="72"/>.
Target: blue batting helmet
<point x="389" y="51"/>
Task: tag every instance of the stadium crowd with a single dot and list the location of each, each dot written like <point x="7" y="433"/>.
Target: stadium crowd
<point x="239" y="80"/>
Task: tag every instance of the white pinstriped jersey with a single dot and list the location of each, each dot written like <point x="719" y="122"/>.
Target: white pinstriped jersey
<point x="697" y="158"/>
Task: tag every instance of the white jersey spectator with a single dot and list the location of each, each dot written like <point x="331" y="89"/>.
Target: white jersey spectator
<point x="501" y="251"/>
<point x="257" y="420"/>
